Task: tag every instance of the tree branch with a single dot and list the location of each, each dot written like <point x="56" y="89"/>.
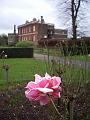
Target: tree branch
<point x="77" y="9"/>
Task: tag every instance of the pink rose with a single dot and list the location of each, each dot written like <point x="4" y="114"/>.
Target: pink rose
<point x="43" y="88"/>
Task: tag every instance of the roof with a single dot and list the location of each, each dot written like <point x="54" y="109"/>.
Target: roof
<point x="34" y="22"/>
<point x="12" y="33"/>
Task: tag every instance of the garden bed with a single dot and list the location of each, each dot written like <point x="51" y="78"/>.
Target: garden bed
<point x="15" y="106"/>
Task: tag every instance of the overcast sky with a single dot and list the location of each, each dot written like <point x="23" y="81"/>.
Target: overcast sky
<point x="18" y="11"/>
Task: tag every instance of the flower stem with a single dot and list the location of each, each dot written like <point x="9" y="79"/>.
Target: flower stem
<point x="55" y="106"/>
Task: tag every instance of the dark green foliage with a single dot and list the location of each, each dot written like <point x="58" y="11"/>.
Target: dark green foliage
<point x="69" y="46"/>
<point x="77" y="50"/>
<point x="3" y="40"/>
<point x="18" y="52"/>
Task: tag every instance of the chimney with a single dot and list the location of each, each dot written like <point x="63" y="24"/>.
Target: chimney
<point x="42" y="20"/>
<point x="14" y="29"/>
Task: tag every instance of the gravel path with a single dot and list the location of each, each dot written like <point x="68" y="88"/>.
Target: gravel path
<point x="82" y="64"/>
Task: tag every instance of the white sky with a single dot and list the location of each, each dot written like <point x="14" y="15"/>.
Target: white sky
<point x="18" y="11"/>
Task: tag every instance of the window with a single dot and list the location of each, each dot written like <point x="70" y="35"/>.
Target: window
<point x="34" y="28"/>
<point x="29" y="29"/>
<point x="18" y="31"/>
<point x="29" y="38"/>
<point x="34" y="38"/>
<point x="26" y="30"/>
<point x="63" y="32"/>
<point x="22" y="30"/>
<point x="26" y="38"/>
<point x="22" y="38"/>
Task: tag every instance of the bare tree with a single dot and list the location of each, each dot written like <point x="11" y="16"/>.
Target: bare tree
<point x="72" y="11"/>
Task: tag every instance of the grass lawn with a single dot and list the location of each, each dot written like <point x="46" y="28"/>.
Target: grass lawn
<point x="22" y="70"/>
<point x="81" y="57"/>
<point x="76" y="75"/>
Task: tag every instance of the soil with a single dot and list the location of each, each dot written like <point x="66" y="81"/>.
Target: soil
<point x="15" y="106"/>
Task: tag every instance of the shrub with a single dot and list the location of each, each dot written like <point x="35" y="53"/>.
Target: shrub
<point x="24" y="44"/>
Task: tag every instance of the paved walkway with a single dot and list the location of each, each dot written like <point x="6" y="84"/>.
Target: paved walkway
<point x="82" y="64"/>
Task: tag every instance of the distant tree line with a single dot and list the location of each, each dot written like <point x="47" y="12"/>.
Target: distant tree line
<point x="3" y="40"/>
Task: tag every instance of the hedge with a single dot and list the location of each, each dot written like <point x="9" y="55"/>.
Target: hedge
<point x="18" y="52"/>
<point x="77" y="50"/>
<point x="68" y="47"/>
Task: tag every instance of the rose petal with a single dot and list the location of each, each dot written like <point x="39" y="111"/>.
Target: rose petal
<point x="47" y="76"/>
<point x="45" y="90"/>
<point x="56" y="82"/>
<point x="38" y="78"/>
<point x="31" y="85"/>
<point x="44" y="100"/>
<point x="56" y="94"/>
<point x="43" y="83"/>
<point x="32" y="95"/>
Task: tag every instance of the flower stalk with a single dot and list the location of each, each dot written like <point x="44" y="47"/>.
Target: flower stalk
<point x="54" y="106"/>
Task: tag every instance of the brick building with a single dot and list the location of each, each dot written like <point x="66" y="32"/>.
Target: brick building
<point x="13" y="37"/>
<point x="34" y="30"/>
<point x="38" y="29"/>
<point x="59" y="33"/>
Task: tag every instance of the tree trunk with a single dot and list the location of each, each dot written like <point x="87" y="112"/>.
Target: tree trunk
<point x="74" y="29"/>
<point x="74" y="26"/>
